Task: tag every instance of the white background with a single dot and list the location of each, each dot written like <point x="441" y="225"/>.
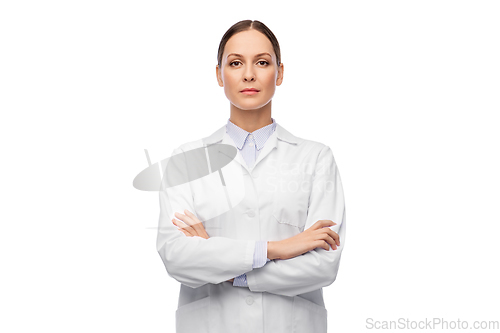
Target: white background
<point x="406" y="93"/>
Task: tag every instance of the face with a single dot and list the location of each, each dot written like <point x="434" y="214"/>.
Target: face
<point x="249" y="61"/>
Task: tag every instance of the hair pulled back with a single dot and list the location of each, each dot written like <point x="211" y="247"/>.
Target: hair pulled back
<point x="244" y="26"/>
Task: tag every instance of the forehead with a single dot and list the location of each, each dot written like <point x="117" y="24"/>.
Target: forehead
<point x="248" y="43"/>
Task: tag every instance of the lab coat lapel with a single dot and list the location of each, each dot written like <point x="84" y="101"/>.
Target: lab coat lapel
<point x="270" y="144"/>
<point x="220" y="136"/>
<point x="239" y="158"/>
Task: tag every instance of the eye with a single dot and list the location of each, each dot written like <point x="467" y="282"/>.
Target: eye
<point x="233" y="62"/>
<point x="265" y="62"/>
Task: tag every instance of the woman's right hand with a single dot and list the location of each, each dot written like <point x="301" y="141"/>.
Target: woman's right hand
<point x="318" y="235"/>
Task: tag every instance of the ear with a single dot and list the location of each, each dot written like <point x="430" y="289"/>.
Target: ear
<point x="219" y="76"/>
<point x="279" y="79"/>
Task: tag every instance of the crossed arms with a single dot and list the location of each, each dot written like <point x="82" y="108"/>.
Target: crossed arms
<point x="304" y="262"/>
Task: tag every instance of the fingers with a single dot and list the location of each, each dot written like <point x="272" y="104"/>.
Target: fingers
<point x="186" y="228"/>
<point x="323" y="223"/>
<point x="197" y="225"/>
<point x="322" y="244"/>
<point x="328" y="223"/>
<point x="193" y="225"/>
<point x="182" y="228"/>
<point x="329" y="236"/>
<point x="186" y="224"/>
<point x="335" y="236"/>
<point x="329" y="240"/>
<point x="181" y="225"/>
<point x="184" y="219"/>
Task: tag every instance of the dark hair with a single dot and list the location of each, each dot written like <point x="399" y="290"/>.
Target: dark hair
<point x="244" y="26"/>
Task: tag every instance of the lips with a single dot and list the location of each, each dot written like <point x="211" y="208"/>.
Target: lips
<point x="249" y="91"/>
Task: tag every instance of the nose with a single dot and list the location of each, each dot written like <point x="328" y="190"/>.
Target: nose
<point x="249" y="75"/>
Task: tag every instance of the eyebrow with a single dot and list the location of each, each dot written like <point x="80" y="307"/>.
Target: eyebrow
<point x="256" y="56"/>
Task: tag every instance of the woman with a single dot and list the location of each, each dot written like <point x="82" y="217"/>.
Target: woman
<point x="253" y="243"/>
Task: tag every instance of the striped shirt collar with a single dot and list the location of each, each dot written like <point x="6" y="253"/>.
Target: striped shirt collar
<point x="239" y="135"/>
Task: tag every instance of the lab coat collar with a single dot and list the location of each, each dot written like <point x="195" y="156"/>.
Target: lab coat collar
<point x="280" y="133"/>
<point x="220" y="136"/>
<point x="239" y="135"/>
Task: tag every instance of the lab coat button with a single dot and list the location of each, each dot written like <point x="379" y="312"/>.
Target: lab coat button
<point x="251" y="144"/>
<point x="251" y="213"/>
<point x="249" y="300"/>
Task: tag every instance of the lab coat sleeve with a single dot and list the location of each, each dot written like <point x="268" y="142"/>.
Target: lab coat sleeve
<point x="317" y="268"/>
<point x="259" y="260"/>
<point x="196" y="261"/>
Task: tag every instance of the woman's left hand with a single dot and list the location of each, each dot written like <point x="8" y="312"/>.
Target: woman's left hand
<point x="190" y="225"/>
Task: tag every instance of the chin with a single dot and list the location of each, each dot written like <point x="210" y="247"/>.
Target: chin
<point x="248" y="107"/>
<point x="250" y="104"/>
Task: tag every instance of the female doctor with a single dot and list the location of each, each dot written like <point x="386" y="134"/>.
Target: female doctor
<point x="253" y="243"/>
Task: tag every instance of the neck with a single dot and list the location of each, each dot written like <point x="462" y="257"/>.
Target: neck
<point x="251" y="120"/>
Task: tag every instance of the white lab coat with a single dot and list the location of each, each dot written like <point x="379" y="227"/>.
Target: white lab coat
<point x="293" y="184"/>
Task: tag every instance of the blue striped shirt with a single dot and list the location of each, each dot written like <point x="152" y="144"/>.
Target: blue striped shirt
<point x="250" y="145"/>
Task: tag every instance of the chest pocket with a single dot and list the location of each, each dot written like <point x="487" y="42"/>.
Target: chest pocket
<point x="291" y="199"/>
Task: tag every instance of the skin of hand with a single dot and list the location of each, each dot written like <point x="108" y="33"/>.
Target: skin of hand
<point x="191" y="226"/>
<point x="318" y="235"/>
